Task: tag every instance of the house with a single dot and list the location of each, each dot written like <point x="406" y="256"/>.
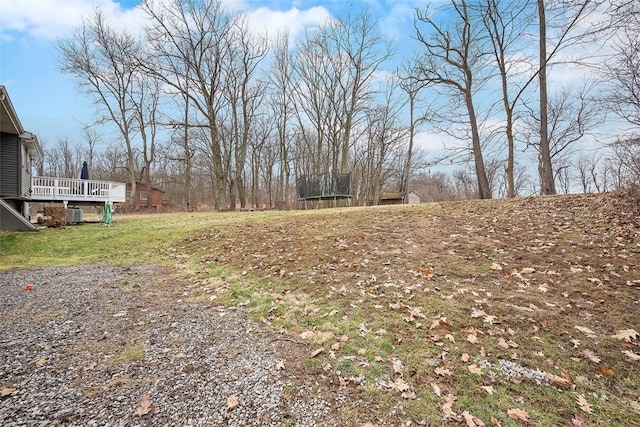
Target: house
<point x="146" y="196"/>
<point x="19" y="187"/>
<point x="18" y="150"/>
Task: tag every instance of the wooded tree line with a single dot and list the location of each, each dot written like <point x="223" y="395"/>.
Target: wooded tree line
<point x="213" y="113"/>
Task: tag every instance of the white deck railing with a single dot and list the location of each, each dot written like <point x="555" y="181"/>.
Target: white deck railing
<point x="76" y="190"/>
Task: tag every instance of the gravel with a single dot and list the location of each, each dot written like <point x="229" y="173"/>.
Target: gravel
<point x="99" y="345"/>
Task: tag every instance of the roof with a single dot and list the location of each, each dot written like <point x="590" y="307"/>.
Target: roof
<point x="10" y="123"/>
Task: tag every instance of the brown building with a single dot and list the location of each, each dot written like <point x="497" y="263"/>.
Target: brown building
<point x="146" y="196"/>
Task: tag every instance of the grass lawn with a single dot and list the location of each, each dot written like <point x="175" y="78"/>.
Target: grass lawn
<point x="412" y="308"/>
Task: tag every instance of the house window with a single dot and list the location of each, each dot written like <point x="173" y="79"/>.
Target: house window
<point x="128" y="195"/>
<point x="144" y="196"/>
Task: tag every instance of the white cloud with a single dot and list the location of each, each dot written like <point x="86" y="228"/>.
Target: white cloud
<point x="58" y="18"/>
<point x="294" y="20"/>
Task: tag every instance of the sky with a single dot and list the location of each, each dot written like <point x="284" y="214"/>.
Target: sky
<point x="49" y="103"/>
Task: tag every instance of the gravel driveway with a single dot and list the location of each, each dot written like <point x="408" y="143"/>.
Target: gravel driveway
<point x="101" y="345"/>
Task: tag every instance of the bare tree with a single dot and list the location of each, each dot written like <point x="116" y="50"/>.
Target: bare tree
<point x="623" y="71"/>
<point x="334" y="82"/>
<point x="506" y="23"/>
<point x="244" y="95"/>
<point x="572" y="115"/>
<point x="102" y="60"/>
<point x="451" y="60"/>
<point x="189" y="46"/>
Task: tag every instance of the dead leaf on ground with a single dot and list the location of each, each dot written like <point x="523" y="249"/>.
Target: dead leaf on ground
<point x="464" y="357"/>
<point x="6" y="391"/>
<point x="606" y="372"/>
<point x="588" y="332"/>
<point x="317" y="351"/>
<point x="591" y="356"/>
<point x="578" y="420"/>
<point x="41" y="362"/>
<point x="631" y="355"/>
<point x="559" y="381"/>
<point x="471" y="420"/>
<point x="232" y="402"/>
<point x="436" y="389"/>
<point x="584" y="404"/>
<point x="518" y="414"/>
<point x="442" y="371"/>
<point x="145" y="405"/>
<point x="447" y="408"/>
<point x="398" y="385"/>
<point x="488" y="389"/>
<point x="475" y="313"/>
<point x="396" y="365"/>
<point x="474" y="369"/>
<point x="626" y="335"/>
<point x="280" y="365"/>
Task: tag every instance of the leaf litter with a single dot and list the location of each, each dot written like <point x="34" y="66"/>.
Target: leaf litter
<point x="538" y="290"/>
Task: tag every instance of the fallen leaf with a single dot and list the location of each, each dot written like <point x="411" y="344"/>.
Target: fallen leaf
<point x="476" y="314"/>
<point x="495" y="422"/>
<point x="518" y="414"/>
<point x="41" y="362"/>
<point x="464" y="357"/>
<point x="489" y="319"/>
<point x="578" y="420"/>
<point x="472" y="338"/>
<point x="232" y="402"/>
<point x="436" y="389"/>
<point x="496" y="267"/>
<point x="447" y="407"/>
<point x="626" y="335"/>
<point x="474" y="369"/>
<point x="280" y="365"/>
<point x="606" y="372"/>
<point x="631" y="355"/>
<point x="396" y="365"/>
<point x="471" y="420"/>
<point x="335" y="346"/>
<point x="559" y="381"/>
<point x="398" y="385"/>
<point x="442" y="371"/>
<point x="145" y="405"/>
<point x="409" y="395"/>
<point x="544" y="323"/>
<point x="588" y="332"/>
<point x="488" y="389"/>
<point x="584" y="404"/>
<point x="590" y="355"/>
<point x="6" y="391"/>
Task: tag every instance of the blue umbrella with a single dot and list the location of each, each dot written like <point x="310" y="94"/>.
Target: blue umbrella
<point x="85" y="171"/>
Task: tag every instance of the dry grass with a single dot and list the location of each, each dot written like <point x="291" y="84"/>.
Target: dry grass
<point x="544" y="282"/>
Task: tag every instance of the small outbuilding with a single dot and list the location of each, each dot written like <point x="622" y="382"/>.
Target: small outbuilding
<point x="146" y="196"/>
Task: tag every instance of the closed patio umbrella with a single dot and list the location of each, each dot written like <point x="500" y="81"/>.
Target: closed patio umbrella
<point x="85" y="171"/>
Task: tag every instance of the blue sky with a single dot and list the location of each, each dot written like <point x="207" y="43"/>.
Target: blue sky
<point x="49" y="103"/>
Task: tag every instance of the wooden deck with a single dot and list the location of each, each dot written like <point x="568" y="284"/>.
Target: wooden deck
<point x="50" y="189"/>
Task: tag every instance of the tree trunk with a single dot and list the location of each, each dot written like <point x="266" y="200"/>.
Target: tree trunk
<point x="547" y="184"/>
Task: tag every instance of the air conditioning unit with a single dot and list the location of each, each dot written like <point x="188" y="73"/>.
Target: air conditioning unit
<point x="74" y="216"/>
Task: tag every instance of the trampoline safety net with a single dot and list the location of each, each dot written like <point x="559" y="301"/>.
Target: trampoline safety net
<point x="324" y="185"/>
